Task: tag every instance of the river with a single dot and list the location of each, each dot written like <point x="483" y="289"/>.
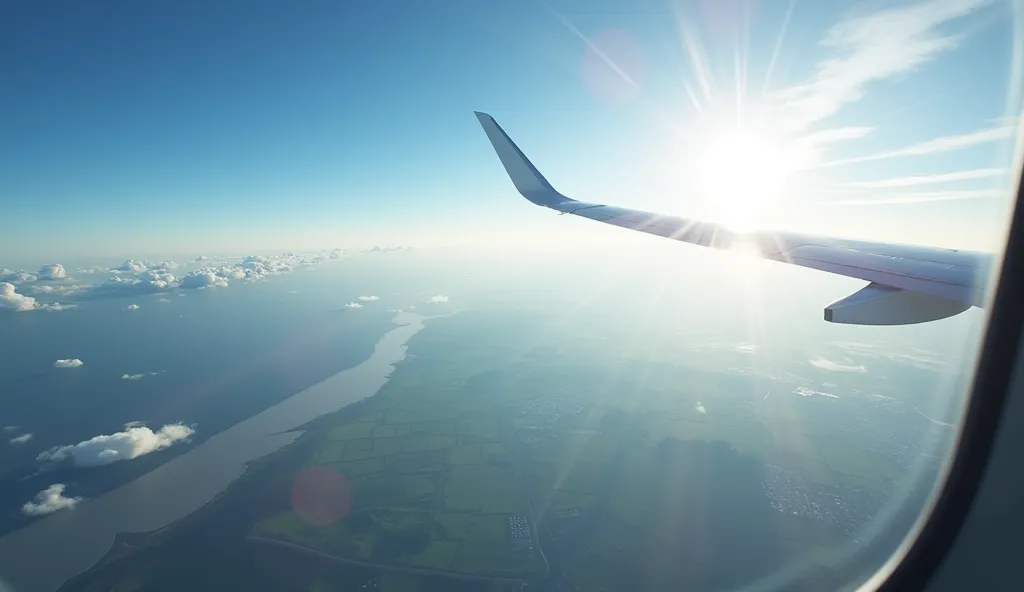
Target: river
<point x="47" y="553"/>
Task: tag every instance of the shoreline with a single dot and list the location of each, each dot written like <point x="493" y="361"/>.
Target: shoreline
<point x="46" y="554"/>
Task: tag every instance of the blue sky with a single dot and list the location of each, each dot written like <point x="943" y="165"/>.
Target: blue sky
<point x="130" y="128"/>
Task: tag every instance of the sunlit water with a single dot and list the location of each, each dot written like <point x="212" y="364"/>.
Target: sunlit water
<point x="47" y="553"/>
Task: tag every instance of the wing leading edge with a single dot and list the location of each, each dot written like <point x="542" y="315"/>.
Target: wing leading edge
<point x="908" y="284"/>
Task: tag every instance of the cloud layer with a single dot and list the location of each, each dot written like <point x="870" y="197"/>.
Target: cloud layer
<point x="135" y="441"/>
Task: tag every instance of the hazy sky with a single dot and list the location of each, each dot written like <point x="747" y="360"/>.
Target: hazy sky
<point x="134" y="127"/>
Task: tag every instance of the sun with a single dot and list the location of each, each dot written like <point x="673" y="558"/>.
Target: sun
<point x="741" y="172"/>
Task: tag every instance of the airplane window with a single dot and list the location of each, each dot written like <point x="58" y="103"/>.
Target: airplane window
<point x="491" y="296"/>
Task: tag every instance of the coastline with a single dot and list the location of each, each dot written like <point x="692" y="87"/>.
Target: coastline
<point x="47" y="553"/>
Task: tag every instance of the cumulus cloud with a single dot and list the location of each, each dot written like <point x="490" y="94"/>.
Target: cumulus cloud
<point x="16" y="277"/>
<point x="21" y="439"/>
<point x="353" y="305"/>
<point x="146" y="282"/>
<point x="57" y="307"/>
<point x="700" y="408"/>
<point x="833" y="366"/>
<point x="164" y="300"/>
<point x="201" y="279"/>
<point x="56" y="289"/>
<point x="139" y="277"/>
<point x="133" y="307"/>
<point x="202" y="258"/>
<point x="68" y="363"/>
<point x="437" y="299"/>
<point x="49" y="501"/>
<point x="54" y="271"/>
<point x="136" y="440"/>
<point x="11" y="300"/>
<point x="368" y="298"/>
<point x="133" y="266"/>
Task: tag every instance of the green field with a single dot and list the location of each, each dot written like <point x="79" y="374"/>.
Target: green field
<point x="633" y="486"/>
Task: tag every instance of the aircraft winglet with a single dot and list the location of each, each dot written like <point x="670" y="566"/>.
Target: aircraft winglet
<point x="528" y="180"/>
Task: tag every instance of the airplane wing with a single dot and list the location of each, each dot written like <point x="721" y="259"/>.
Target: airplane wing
<point x="908" y="284"/>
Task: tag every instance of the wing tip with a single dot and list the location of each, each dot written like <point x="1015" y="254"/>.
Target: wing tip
<point x="528" y="180"/>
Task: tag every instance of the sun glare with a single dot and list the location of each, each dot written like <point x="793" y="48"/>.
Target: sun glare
<point x="741" y="173"/>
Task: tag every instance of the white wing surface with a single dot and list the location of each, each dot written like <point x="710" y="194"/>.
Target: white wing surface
<point x="908" y="284"/>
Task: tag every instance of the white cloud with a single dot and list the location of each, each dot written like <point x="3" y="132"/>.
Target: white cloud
<point x="92" y="270"/>
<point x="49" y="501"/>
<point x="396" y="249"/>
<point x="164" y="300"/>
<point x="1004" y="131"/>
<point x="54" y="271"/>
<point x="202" y="258"/>
<point x="437" y="299"/>
<point x="909" y="355"/>
<point x="145" y="282"/>
<point x="368" y="298"/>
<point x="68" y="363"/>
<point x="700" y="408"/>
<point x="21" y="439"/>
<point x="353" y="305"/>
<point x="57" y="307"/>
<point x="924" y="197"/>
<point x="927" y="179"/>
<point x="870" y="47"/>
<point x="133" y="307"/>
<point x="136" y="440"/>
<point x="806" y="392"/>
<point x="11" y="300"/>
<point x="833" y="366"/>
<point x="746" y="348"/>
<point x="133" y="266"/>
<point x="10" y="428"/>
<point x="139" y="376"/>
<point x="15" y="277"/>
<point x="203" y="278"/>
<point x="137" y="277"/>
<point x="56" y="289"/>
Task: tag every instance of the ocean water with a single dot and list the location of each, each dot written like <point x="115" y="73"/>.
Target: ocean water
<point x="40" y="557"/>
<point x="211" y="358"/>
